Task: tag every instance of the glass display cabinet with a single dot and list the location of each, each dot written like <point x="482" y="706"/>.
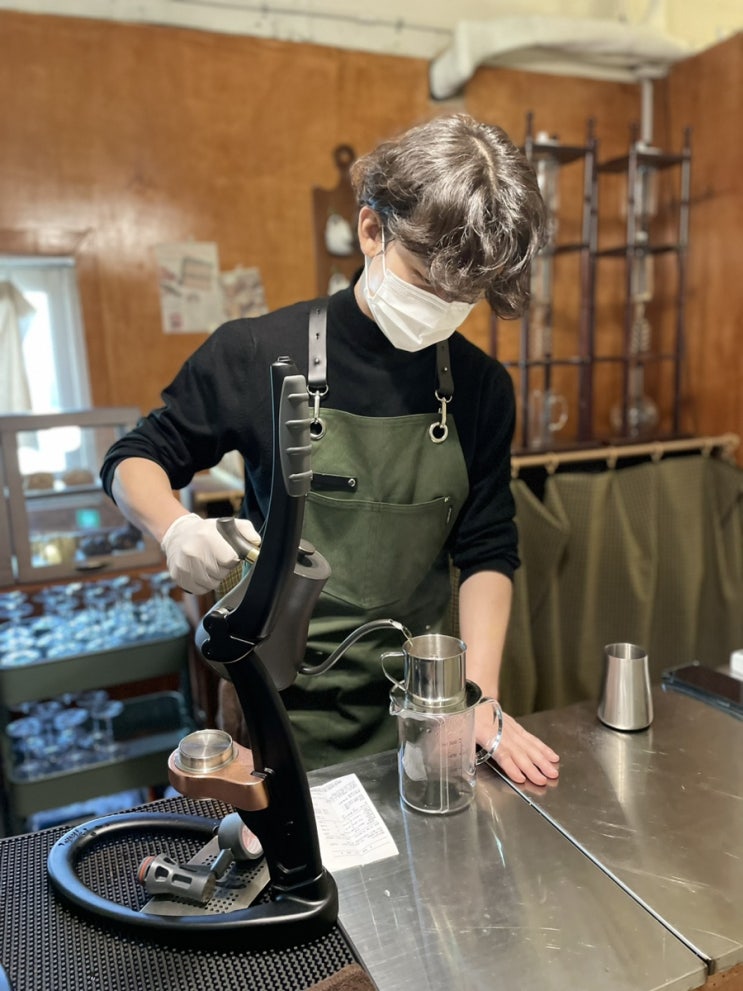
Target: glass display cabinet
<point x="56" y="521"/>
<point x="83" y="609"/>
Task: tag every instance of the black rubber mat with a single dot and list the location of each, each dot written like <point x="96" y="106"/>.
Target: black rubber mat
<point x="46" y="946"/>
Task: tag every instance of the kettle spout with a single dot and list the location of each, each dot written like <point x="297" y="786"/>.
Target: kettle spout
<point x="340" y="650"/>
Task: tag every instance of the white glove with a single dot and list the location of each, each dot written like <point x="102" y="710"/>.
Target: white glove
<point x="198" y="556"/>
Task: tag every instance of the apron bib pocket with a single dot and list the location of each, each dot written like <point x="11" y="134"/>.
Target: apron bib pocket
<point x="379" y="552"/>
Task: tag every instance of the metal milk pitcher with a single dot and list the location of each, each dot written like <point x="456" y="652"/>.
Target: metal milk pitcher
<point x="625" y="701"/>
<point x="435" y="709"/>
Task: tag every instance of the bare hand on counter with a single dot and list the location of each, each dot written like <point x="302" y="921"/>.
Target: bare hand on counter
<point x="524" y="757"/>
<point x="484" y="608"/>
<point x="198" y="557"/>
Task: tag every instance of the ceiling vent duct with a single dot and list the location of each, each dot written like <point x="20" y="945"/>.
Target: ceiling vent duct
<point x="599" y="49"/>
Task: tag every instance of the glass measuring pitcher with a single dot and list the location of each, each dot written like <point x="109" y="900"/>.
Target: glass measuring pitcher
<point x="437" y="756"/>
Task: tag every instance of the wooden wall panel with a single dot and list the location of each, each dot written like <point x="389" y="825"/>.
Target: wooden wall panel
<point x="143" y="135"/>
<point x="706" y="93"/>
<point x="117" y="137"/>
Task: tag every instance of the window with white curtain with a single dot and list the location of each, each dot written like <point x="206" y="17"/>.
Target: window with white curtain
<point x="43" y="363"/>
<point x="41" y="336"/>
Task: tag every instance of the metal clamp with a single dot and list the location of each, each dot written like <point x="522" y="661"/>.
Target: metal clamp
<point x="438" y="432"/>
<point x="317" y="425"/>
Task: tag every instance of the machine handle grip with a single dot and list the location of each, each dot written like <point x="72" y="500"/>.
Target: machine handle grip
<point x="294" y="446"/>
<point x="227" y="528"/>
<point x="245" y="617"/>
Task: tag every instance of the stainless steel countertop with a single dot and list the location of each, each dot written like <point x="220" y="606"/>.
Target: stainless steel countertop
<point x="494" y="896"/>
<point x="661" y="810"/>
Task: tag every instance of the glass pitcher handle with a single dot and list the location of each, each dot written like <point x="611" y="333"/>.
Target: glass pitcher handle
<point x="485" y="753"/>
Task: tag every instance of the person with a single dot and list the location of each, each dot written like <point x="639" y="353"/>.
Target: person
<point x="411" y="447"/>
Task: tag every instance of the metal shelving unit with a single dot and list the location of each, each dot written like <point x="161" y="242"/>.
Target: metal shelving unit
<point x="642" y="165"/>
<point x="535" y="370"/>
<point x="537" y="362"/>
<point x="148" y="728"/>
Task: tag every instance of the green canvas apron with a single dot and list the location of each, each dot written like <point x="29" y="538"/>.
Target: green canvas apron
<point x="384" y="500"/>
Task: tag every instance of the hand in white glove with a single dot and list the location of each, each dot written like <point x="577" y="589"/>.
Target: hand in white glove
<point x="198" y="556"/>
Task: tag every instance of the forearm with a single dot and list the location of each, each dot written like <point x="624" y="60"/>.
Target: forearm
<point x="484" y="609"/>
<point x="142" y="491"/>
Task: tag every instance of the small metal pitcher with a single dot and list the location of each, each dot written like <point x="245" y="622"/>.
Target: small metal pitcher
<point x="625" y="702"/>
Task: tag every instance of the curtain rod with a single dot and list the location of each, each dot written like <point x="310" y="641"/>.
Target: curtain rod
<point x="551" y="460"/>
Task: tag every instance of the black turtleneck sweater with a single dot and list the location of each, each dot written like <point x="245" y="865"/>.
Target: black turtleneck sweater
<point x="220" y="401"/>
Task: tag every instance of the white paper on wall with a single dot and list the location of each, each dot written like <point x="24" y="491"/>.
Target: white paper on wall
<point x="190" y="291"/>
<point x="242" y="293"/>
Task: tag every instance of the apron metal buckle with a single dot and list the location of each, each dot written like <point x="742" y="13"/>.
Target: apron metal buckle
<point x="438" y="432"/>
<point x="317" y="427"/>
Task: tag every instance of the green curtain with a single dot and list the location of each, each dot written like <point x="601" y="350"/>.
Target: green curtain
<point x="650" y="554"/>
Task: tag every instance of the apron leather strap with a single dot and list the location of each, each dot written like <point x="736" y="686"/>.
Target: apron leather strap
<point x="443" y="371"/>
<point x="317" y="373"/>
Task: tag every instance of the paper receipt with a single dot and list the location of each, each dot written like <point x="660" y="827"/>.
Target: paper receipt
<point x="350" y="829"/>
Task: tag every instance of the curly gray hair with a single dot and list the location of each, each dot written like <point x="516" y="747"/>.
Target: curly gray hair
<point x="460" y="194"/>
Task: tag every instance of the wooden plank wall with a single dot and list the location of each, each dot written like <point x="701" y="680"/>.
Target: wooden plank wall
<point x="706" y="93"/>
<point x="117" y="137"/>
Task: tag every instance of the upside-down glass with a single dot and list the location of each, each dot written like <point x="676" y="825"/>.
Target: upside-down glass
<point x="625" y="701"/>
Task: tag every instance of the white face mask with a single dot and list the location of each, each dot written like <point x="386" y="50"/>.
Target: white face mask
<point x="409" y="317"/>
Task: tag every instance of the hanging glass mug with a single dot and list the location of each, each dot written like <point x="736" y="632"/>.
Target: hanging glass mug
<point x="548" y="414"/>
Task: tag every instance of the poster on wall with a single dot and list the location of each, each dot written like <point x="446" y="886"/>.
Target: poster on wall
<point x="242" y="293"/>
<point x="190" y="290"/>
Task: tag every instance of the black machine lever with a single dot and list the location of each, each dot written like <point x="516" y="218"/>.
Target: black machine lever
<point x="303" y="899"/>
<point x="247" y="614"/>
<point x="232" y="630"/>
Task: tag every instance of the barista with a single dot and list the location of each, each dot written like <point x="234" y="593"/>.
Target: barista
<point x="449" y="213"/>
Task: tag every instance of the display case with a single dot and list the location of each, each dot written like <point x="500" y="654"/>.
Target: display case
<point x="56" y="521"/>
<point x="86" y="621"/>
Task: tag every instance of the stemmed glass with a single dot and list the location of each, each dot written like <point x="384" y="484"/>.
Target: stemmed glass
<point x="27" y="740"/>
<point x="50" y="751"/>
<point x="108" y="711"/>
<point x="160" y="612"/>
<point x="10" y="602"/>
<point x="57" y="631"/>
<point x="14" y="633"/>
<point x="97" y="598"/>
<point x="24" y="655"/>
<point x="68" y="724"/>
<point x="49" y="738"/>
<point x="60" y="601"/>
<point x="125" y="615"/>
<point x="92" y="702"/>
<point x="103" y="710"/>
